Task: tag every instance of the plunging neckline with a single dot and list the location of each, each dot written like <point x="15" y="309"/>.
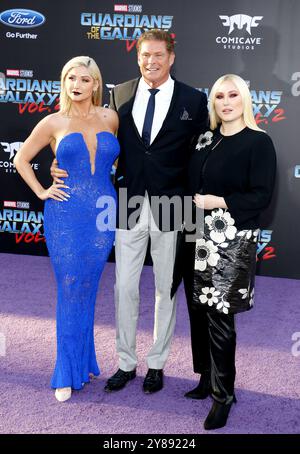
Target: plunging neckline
<point x="92" y="164"/>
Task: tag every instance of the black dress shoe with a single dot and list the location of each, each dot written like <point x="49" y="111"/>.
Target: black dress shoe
<point x="153" y="381"/>
<point x="217" y="417"/>
<point x="203" y="390"/>
<point x="119" y="380"/>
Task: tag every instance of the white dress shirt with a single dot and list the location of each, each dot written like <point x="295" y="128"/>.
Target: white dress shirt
<point x="162" y="104"/>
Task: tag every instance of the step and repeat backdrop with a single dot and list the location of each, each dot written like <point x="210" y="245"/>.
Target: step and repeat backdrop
<point x="257" y="40"/>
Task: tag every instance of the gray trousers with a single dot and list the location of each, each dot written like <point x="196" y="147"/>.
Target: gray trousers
<point x="130" y="250"/>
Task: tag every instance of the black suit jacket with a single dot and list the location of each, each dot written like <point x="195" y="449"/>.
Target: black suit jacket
<point x="159" y="169"/>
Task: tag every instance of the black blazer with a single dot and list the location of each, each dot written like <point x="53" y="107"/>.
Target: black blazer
<point x="159" y="169"/>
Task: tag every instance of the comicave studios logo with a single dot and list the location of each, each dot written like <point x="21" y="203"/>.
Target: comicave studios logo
<point x="240" y="29"/>
<point x="6" y="160"/>
<point x="7" y="153"/>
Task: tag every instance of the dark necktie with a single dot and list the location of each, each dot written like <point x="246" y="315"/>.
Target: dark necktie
<point x="146" y="134"/>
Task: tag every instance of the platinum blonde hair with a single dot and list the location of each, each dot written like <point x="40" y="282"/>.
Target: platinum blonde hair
<point x="244" y="91"/>
<point x="94" y="71"/>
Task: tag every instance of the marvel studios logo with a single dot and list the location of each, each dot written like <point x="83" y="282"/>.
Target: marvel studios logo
<point x="128" y="8"/>
<point x="13" y="204"/>
<point x="19" y="73"/>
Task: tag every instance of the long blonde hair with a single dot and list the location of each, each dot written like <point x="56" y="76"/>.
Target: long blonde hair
<point x="246" y="98"/>
<point x="91" y="65"/>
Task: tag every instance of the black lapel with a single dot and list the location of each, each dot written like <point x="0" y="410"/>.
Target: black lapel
<point x="126" y="97"/>
<point x="129" y="97"/>
<point x="130" y="107"/>
<point x="172" y="104"/>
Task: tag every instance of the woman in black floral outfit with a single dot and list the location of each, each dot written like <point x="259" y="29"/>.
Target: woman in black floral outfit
<point x="231" y="176"/>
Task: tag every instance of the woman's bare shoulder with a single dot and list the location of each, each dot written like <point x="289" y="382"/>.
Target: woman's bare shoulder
<point x="109" y="117"/>
<point x="54" y="122"/>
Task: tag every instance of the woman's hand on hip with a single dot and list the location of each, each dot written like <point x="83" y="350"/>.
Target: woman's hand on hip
<point x="54" y="192"/>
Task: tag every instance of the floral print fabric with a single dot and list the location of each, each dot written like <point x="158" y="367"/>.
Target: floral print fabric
<point x="225" y="261"/>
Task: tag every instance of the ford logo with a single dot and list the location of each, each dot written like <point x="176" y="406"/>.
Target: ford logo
<point x="22" y="18"/>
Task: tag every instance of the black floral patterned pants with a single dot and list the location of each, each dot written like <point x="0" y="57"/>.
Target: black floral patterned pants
<point x="213" y="338"/>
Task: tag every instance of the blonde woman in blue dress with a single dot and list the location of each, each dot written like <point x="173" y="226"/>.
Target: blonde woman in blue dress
<point x="82" y="137"/>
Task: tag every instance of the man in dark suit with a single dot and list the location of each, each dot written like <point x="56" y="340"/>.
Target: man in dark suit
<point x="159" y="120"/>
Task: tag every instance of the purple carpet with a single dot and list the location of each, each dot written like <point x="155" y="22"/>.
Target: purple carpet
<point x="267" y="382"/>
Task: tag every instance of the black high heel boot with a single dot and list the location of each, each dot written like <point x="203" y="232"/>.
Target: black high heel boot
<point x="217" y="417"/>
<point x="203" y="390"/>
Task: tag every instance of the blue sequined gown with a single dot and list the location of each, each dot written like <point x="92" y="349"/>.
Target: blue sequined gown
<point x="79" y="251"/>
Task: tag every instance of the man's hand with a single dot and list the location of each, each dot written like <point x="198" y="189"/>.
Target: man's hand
<point x="57" y="173"/>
